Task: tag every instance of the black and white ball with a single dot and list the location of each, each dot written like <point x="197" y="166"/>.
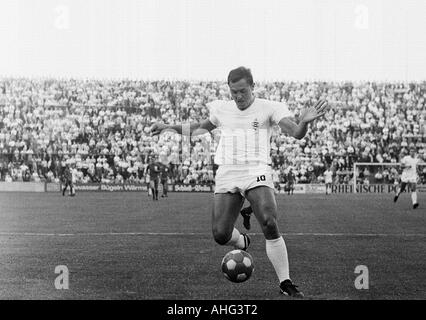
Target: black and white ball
<point x="237" y="265"/>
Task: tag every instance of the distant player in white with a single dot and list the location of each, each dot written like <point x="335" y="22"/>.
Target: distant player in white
<point x="243" y="156"/>
<point x="276" y="180"/>
<point x="409" y="176"/>
<point x="328" y="177"/>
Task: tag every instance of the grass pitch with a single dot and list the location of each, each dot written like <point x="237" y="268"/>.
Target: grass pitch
<point x="125" y="246"/>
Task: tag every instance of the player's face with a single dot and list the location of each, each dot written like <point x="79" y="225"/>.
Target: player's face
<point x="412" y="153"/>
<point x="242" y="93"/>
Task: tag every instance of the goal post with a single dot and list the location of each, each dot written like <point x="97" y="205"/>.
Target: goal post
<point x="390" y="178"/>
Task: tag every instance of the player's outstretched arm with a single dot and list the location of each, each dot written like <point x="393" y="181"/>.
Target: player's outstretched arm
<point x="193" y="129"/>
<point x="298" y="130"/>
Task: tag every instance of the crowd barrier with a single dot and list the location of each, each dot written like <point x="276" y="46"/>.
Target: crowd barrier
<point x="129" y="187"/>
<point x="22" y="187"/>
<point x="304" y="188"/>
<point x="136" y="187"/>
<point x="372" y="188"/>
<point x="347" y="188"/>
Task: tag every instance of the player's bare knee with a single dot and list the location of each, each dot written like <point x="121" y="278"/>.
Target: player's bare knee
<point x="222" y="237"/>
<point x="269" y="224"/>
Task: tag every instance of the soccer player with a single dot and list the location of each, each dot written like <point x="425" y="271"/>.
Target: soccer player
<point x="409" y="176"/>
<point x="154" y="171"/>
<point x="243" y="156"/>
<point x="328" y="175"/>
<point x="290" y="181"/>
<point x="67" y="178"/>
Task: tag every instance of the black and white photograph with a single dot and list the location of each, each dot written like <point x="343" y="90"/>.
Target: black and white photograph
<point x="226" y="151"/>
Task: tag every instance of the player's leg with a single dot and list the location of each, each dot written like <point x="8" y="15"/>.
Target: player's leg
<point x="226" y="209"/>
<point x="264" y="206"/>
<point x="152" y="188"/>
<point x="413" y="188"/>
<point x="165" y="186"/>
<point x="399" y="190"/>
<point x="246" y="214"/>
<point x="72" y="190"/>
<point x="65" y="188"/>
<point x="156" y="189"/>
<point x="262" y="200"/>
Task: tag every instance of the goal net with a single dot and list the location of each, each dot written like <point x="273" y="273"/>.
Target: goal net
<point x="382" y="177"/>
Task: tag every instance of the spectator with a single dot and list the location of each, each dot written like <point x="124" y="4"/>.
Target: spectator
<point x="103" y="127"/>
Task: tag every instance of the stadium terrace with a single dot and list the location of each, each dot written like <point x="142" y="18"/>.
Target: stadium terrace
<point x="102" y="128"/>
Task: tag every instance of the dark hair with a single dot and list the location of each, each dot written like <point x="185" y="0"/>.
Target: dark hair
<point x="239" y="73"/>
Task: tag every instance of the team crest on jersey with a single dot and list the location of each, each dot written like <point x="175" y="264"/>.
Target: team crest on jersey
<point x="255" y="125"/>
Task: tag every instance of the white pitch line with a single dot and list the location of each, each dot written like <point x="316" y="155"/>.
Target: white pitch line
<point x="302" y="234"/>
<point x="358" y="234"/>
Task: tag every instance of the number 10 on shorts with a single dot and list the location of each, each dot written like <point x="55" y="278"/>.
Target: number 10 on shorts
<point x="261" y="178"/>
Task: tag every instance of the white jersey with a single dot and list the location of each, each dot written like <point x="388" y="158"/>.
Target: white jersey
<point x="245" y="134"/>
<point x="411" y="170"/>
<point x="328" y="175"/>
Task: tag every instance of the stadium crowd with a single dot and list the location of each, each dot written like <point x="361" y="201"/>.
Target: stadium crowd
<point x="102" y="129"/>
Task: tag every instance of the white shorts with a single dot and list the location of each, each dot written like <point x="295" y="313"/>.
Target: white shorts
<point x="240" y="178"/>
<point x="408" y="178"/>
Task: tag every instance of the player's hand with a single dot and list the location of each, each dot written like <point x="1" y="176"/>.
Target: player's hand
<point x="157" y="128"/>
<point x="317" y="111"/>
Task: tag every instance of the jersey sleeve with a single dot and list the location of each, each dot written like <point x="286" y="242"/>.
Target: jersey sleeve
<point x="214" y="114"/>
<point x="279" y="110"/>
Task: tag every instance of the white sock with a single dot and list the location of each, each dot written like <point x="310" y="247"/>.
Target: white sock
<point x="414" y="197"/>
<point x="237" y="240"/>
<point x="276" y="251"/>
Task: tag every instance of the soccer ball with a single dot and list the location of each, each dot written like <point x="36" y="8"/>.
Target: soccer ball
<point x="237" y="265"/>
